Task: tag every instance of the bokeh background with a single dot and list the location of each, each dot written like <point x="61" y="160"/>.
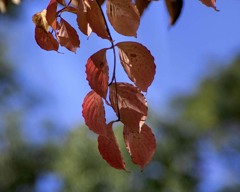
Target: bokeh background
<point x="194" y="106"/>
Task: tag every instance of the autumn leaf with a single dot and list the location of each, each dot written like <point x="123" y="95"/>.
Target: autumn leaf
<point x="68" y="36"/>
<point x="70" y="10"/>
<point x="62" y="2"/>
<point x="97" y="72"/>
<point x="109" y="149"/>
<point x="142" y="5"/>
<point x="82" y="22"/>
<point x="141" y="145"/>
<point x="45" y="39"/>
<point x="138" y="63"/>
<point x="123" y="16"/>
<point x="174" y="8"/>
<point x="131" y="103"/>
<point x="51" y="15"/>
<point x="96" y="20"/>
<point x="94" y="113"/>
<point x="210" y="3"/>
<point x="40" y="20"/>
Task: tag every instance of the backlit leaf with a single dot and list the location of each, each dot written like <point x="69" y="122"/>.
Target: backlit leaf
<point x="96" y="20"/>
<point x="45" y="39"/>
<point x="68" y="36"/>
<point x="142" y="5"/>
<point x="82" y="22"/>
<point x="109" y="149"/>
<point x="70" y="10"/>
<point x="138" y="63"/>
<point x="131" y="103"/>
<point x="62" y="2"/>
<point x="94" y="113"/>
<point x="123" y="16"/>
<point x="40" y="20"/>
<point x="97" y="72"/>
<point x="174" y="8"/>
<point x="210" y="3"/>
<point x="51" y="15"/>
<point x="141" y="145"/>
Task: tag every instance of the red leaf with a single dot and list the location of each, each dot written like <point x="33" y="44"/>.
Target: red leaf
<point x="94" y="113"/>
<point x="109" y="149"/>
<point x="174" y="8"/>
<point x="138" y="63"/>
<point x="97" y="72"/>
<point x="123" y="16"/>
<point x="210" y="3"/>
<point x="45" y="39"/>
<point x="68" y="36"/>
<point x="131" y="103"/>
<point x="51" y="15"/>
<point x="141" y="145"/>
<point x="96" y="20"/>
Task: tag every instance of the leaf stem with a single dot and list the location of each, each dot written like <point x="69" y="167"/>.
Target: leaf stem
<point x="114" y="79"/>
<point x="61" y="10"/>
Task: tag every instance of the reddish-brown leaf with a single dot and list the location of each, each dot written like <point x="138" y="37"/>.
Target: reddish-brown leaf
<point x="62" y="2"/>
<point x="174" y="8"/>
<point x="68" y="36"/>
<point x="96" y="20"/>
<point x="109" y="149"/>
<point x="131" y="103"/>
<point x="82" y="22"/>
<point x="138" y="63"/>
<point x="123" y="16"/>
<point x="94" y="113"/>
<point x="97" y="72"/>
<point x="45" y="39"/>
<point x="51" y="15"/>
<point x="210" y="3"/>
<point x="70" y="10"/>
<point x="142" y="5"/>
<point x="141" y="145"/>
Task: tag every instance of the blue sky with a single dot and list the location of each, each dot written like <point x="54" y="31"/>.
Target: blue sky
<point x="183" y="54"/>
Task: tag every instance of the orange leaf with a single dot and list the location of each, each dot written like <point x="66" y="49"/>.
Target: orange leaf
<point x="131" y="103"/>
<point x="94" y="113"/>
<point x="51" y="15"/>
<point x="96" y="20"/>
<point x="210" y="3"/>
<point x="141" y="145"/>
<point x="97" y="72"/>
<point x="138" y="63"/>
<point x="109" y="149"/>
<point x="174" y="8"/>
<point x="45" y="39"/>
<point x="123" y="16"/>
<point x="68" y="36"/>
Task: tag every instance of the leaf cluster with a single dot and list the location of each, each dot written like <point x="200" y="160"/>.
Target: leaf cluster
<point x="127" y="100"/>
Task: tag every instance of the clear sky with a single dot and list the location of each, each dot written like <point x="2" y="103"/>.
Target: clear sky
<point x="183" y="54"/>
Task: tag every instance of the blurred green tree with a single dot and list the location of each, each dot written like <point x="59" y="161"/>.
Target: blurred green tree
<point x="210" y="115"/>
